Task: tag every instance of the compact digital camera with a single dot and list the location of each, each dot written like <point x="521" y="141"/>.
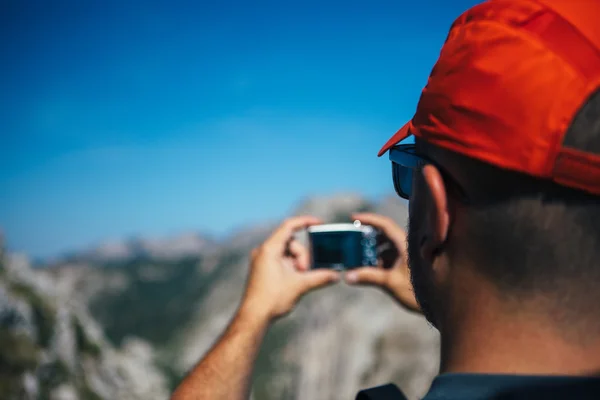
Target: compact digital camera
<point x="343" y="246"/>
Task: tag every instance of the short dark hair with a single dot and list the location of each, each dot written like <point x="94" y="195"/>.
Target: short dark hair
<point x="541" y="238"/>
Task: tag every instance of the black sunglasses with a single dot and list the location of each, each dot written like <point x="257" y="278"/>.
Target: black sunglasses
<point x="405" y="161"/>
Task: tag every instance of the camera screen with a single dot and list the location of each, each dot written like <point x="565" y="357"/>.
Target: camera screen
<point x="336" y="249"/>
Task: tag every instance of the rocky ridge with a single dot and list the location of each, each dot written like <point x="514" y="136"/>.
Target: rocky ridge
<point x="51" y="348"/>
<point x="168" y="307"/>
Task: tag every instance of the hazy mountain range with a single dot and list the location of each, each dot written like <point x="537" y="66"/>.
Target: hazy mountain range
<point x="157" y="305"/>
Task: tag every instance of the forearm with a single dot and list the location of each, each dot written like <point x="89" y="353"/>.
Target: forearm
<point x="279" y="275"/>
<point x="226" y="371"/>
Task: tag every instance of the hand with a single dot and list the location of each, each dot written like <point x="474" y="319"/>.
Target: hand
<point x="280" y="272"/>
<point x="392" y="273"/>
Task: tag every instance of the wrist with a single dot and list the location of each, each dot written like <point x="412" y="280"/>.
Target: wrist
<point x="254" y="312"/>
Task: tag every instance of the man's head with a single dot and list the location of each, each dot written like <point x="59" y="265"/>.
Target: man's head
<point x="531" y="239"/>
<point x="506" y="194"/>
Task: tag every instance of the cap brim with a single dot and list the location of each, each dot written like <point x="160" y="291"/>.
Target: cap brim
<point x="402" y="134"/>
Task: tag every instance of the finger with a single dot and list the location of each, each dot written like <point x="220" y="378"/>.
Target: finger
<point x="286" y="230"/>
<point x="367" y="275"/>
<point x="318" y="278"/>
<point x="388" y="226"/>
<point x="300" y="254"/>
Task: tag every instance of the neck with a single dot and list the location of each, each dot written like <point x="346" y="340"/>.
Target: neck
<point x="485" y="334"/>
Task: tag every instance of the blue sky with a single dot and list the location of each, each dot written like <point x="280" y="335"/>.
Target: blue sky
<point x="152" y="118"/>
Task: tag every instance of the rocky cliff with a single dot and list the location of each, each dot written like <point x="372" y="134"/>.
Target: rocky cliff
<point x="51" y="348"/>
<point x="165" y="307"/>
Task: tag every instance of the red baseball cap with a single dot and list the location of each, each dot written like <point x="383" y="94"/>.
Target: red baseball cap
<point x="510" y="78"/>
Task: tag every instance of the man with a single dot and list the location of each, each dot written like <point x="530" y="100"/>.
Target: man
<point x="504" y="235"/>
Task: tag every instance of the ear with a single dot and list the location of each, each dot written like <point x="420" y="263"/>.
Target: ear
<point x="438" y="215"/>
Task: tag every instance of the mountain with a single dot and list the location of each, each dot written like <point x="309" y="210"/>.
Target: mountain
<point x="188" y="244"/>
<point x="51" y="348"/>
<point x="177" y="298"/>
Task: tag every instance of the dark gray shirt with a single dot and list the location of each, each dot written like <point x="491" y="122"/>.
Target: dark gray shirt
<point x="453" y="386"/>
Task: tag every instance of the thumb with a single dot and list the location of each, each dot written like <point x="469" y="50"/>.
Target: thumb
<point x="367" y="275"/>
<point x="318" y="278"/>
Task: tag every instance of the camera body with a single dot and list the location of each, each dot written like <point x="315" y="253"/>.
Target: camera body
<point x="342" y="246"/>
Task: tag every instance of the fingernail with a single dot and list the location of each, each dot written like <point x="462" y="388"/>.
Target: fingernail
<point x="351" y="277"/>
